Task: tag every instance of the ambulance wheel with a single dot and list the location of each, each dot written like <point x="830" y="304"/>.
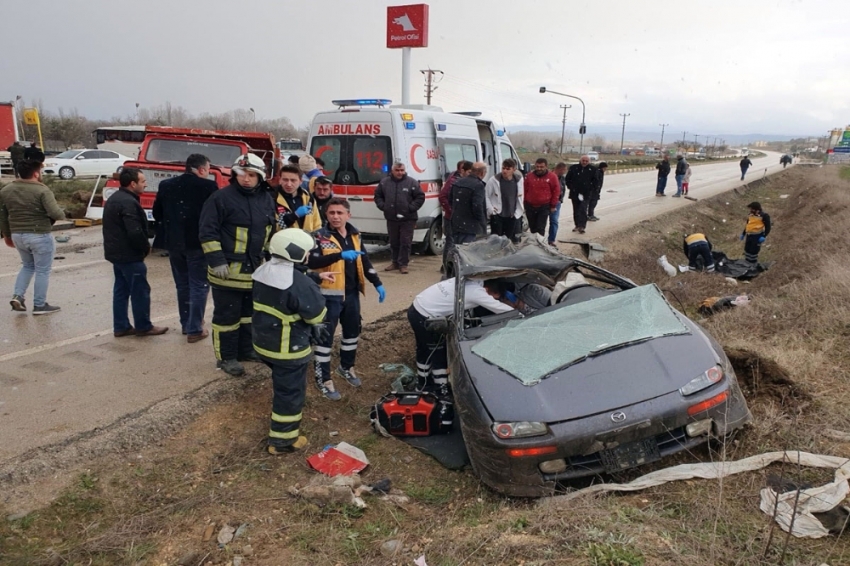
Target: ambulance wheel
<point x="434" y="241"/>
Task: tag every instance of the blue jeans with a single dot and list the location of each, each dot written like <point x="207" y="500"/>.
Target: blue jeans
<point x="743" y="172"/>
<point x="553" y="223"/>
<point x="36" y="252"/>
<point x="131" y="284"/>
<point x="679" y="180"/>
<point x="662" y="184"/>
<point x="189" y="269"/>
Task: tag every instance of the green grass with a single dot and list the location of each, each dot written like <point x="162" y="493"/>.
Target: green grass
<point x="613" y="555"/>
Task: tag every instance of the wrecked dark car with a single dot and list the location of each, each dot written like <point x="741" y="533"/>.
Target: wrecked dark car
<point x="600" y="376"/>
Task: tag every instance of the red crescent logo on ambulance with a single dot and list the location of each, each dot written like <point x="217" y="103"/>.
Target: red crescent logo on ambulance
<point x="322" y="150"/>
<point x="413" y="163"/>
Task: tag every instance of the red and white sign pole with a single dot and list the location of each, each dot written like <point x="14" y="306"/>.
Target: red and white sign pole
<point x="407" y="26"/>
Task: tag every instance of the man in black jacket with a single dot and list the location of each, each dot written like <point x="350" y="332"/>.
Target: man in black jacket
<point x="399" y="197"/>
<point x="469" y="214"/>
<point x="235" y="228"/>
<point x="663" y="167"/>
<point x="681" y="169"/>
<point x="597" y="191"/>
<point x="34" y="153"/>
<point x="581" y="182"/>
<point x="125" y="245"/>
<point x="178" y="207"/>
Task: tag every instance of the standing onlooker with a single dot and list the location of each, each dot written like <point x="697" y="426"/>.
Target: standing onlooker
<point x="34" y="153"/>
<point x="323" y="192"/>
<point x="125" y="245"/>
<point x="28" y="209"/>
<point x="236" y="225"/>
<point x="597" y="191"/>
<point x="745" y="164"/>
<point x="681" y="170"/>
<point x="310" y="171"/>
<point x="581" y="182"/>
<point x="469" y="215"/>
<point x="341" y="256"/>
<point x="554" y="216"/>
<point x="663" y="167"/>
<point x="177" y="208"/>
<point x="542" y="191"/>
<point x="755" y="232"/>
<point x="16" y="152"/>
<point x="686" y="182"/>
<point x="399" y="197"/>
<point x="463" y="169"/>
<point x="504" y="201"/>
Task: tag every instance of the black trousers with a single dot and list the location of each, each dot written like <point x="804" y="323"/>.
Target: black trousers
<point x="592" y="200"/>
<point x="752" y="247"/>
<point x="579" y="212"/>
<point x="431" y="356"/>
<point x="700" y="251"/>
<point x="537" y="218"/>
<point x="507" y="227"/>
<point x="231" y="323"/>
<point x="345" y="310"/>
<point x="401" y="240"/>
<point x="289" y="382"/>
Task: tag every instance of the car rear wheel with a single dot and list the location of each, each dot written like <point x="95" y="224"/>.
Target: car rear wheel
<point x="66" y="173"/>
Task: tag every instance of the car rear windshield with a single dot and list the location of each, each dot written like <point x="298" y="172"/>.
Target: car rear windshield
<point x="354" y="160"/>
<point x="177" y="151"/>
<point x="532" y="348"/>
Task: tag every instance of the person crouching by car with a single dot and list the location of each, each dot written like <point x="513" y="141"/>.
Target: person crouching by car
<point x="295" y="204"/>
<point x="698" y="249"/>
<point x="504" y="201"/>
<point x="755" y="232"/>
<point x="341" y="252"/>
<point x="288" y="313"/>
<point x="438" y="300"/>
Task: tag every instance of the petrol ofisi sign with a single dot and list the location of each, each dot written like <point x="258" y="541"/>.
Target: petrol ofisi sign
<point x="407" y="26"/>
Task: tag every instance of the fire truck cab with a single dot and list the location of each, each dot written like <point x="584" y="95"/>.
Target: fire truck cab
<point x="164" y="152"/>
<point x="362" y="138"/>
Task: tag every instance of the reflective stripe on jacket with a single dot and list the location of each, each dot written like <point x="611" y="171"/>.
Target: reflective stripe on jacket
<point x="282" y="318"/>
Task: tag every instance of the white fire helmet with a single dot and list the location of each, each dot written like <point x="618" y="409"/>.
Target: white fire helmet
<point x="250" y="162"/>
<point x="292" y="244"/>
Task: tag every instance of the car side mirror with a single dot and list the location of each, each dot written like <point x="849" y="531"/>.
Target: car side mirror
<point x="526" y="168"/>
<point x="79" y="157"/>
<point x="438" y="325"/>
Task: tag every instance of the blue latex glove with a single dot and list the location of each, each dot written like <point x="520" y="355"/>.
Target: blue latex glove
<point x="510" y="296"/>
<point x="742" y="237"/>
<point x="303" y="210"/>
<point x="382" y="293"/>
<point x="350" y="255"/>
<point x="761" y="240"/>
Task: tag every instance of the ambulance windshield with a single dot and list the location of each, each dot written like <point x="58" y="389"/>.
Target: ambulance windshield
<point x="353" y="160"/>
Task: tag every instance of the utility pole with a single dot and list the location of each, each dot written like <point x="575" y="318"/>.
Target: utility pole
<point x="430" y="85"/>
<point x="563" y="126"/>
<point x="623" y="135"/>
<point x="662" y="137"/>
<point x="696" y="142"/>
<point x="683" y="139"/>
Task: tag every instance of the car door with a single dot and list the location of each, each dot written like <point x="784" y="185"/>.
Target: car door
<point x="109" y="162"/>
<point x="86" y="163"/>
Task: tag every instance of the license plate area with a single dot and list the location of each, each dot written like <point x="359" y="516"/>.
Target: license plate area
<point x="630" y="455"/>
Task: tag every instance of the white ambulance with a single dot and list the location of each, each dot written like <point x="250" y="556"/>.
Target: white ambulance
<point x="361" y="139"/>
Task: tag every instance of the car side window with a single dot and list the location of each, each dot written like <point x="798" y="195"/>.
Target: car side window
<point x="107" y="155"/>
<point x="88" y="155"/>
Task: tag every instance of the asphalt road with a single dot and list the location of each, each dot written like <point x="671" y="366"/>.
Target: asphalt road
<point x="65" y="374"/>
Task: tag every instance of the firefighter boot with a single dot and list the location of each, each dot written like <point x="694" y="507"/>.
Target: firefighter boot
<point x="299" y="444"/>
<point x="231" y="367"/>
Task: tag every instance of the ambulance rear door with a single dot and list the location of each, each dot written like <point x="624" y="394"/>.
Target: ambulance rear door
<point x="457" y="140"/>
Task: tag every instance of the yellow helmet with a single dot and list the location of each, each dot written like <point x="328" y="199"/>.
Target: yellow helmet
<point x="292" y="244"/>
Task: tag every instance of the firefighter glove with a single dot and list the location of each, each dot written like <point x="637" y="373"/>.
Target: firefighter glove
<point x="351" y="255"/>
<point x="221" y="271"/>
<point x="303" y="210"/>
<point x="761" y="240"/>
<point x="319" y="333"/>
<point x="382" y="293"/>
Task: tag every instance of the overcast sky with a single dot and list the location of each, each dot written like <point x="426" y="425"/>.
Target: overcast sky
<point x="714" y="66"/>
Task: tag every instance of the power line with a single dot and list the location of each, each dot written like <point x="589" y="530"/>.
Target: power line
<point x="430" y="85"/>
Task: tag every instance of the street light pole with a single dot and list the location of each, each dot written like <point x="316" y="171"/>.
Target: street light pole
<point x="253" y="116"/>
<point x="137" y="113"/>
<point x="662" y="137"/>
<point x="623" y="134"/>
<point x="563" y="126"/>
<point x="582" y="129"/>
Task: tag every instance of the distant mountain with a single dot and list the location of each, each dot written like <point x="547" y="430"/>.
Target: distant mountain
<point x="611" y="133"/>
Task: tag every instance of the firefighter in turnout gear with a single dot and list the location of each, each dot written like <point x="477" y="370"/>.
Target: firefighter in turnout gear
<point x="296" y="207"/>
<point x="755" y="232"/>
<point x="288" y="314"/>
<point x="340" y="252"/>
<point x="235" y="226"/>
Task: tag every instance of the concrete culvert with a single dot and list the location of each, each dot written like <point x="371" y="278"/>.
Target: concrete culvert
<point x="763" y="379"/>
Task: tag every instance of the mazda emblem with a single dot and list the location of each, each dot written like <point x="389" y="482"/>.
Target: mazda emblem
<point x="618" y="417"/>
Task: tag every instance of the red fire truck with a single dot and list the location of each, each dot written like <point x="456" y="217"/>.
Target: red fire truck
<point x="164" y="151"/>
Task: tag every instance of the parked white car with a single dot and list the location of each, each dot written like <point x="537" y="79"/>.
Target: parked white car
<point x="84" y="162"/>
<point x="593" y="155"/>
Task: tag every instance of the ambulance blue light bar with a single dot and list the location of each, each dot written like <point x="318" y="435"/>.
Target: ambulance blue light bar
<point x="410" y="125"/>
<point x="362" y="102"/>
<point x="441" y="127"/>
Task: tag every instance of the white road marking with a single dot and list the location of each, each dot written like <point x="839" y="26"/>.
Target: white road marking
<point x="69" y="341"/>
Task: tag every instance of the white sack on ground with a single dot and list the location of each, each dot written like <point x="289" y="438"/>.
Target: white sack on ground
<point x="814" y="500"/>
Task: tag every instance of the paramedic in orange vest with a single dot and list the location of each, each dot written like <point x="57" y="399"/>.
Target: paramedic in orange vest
<point x="296" y="207"/>
<point x="340" y="251"/>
